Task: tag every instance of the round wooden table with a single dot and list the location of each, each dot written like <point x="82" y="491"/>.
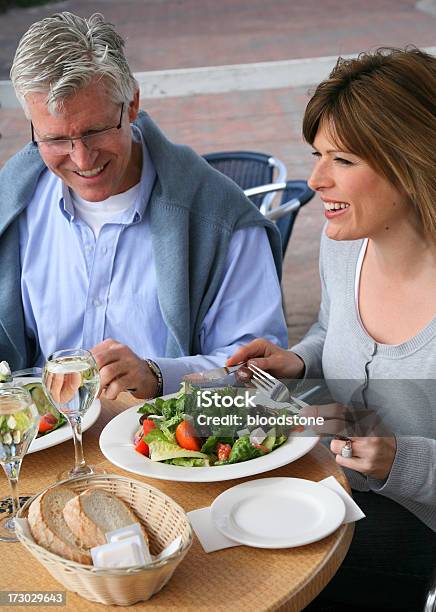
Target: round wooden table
<point x="239" y="578"/>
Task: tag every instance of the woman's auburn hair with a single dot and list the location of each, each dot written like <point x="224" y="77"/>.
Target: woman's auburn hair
<point x="381" y="106"/>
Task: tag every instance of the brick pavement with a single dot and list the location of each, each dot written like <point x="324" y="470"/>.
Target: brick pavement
<point x="176" y="33"/>
<point x="187" y="33"/>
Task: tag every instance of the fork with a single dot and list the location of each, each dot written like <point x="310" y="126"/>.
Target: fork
<point x="270" y="386"/>
<point x="276" y="390"/>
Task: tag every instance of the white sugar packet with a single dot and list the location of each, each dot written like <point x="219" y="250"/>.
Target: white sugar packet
<point x="211" y="539"/>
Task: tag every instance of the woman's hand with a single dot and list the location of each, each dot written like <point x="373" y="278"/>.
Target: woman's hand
<point x="371" y="456"/>
<point x="270" y="357"/>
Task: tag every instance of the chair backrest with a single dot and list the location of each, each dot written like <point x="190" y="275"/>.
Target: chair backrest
<point x="294" y="189"/>
<point x="249" y="169"/>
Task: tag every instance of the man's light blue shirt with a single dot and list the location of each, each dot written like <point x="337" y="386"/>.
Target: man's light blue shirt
<point x="77" y="290"/>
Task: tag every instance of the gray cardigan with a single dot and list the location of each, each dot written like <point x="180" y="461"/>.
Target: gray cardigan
<point x="398" y="379"/>
<point x="194" y="211"/>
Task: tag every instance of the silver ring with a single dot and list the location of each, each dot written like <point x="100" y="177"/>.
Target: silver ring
<point x="347" y="450"/>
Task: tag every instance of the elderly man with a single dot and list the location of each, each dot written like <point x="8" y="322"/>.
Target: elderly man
<point x="114" y="239"/>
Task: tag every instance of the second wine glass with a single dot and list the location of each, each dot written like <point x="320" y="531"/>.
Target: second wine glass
<point x="19" y="420"/>
<point x="71" y="381"/>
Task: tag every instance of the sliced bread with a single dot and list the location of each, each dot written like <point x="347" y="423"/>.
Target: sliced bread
<point x="95" y="512"/>
<point x="49" y="529"/>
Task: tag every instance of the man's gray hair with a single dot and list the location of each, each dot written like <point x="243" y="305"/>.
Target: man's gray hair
<point x="63" y="53"/>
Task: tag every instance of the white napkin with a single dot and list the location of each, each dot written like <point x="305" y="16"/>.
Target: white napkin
<point x="211" y="539"/>
<point x="352" y="511"/>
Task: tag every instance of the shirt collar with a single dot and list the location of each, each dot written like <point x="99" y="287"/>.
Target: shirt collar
<point x="65" y="201"/>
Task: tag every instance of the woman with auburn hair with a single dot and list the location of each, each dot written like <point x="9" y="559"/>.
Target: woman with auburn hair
<point x="372" y="125"/>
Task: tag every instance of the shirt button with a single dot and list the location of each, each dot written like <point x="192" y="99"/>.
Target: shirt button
<point x="88" y="248"/>
<point x="104" y="250"/>
<point x="96" y="302"/>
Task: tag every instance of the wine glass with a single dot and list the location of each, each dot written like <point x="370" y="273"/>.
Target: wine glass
<point x="71" y="381"/>
<point x="19" y="420"/>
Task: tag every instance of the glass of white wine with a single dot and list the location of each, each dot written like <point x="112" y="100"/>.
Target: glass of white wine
<point x="19" y="420"/>
<point x="71" y="381"/>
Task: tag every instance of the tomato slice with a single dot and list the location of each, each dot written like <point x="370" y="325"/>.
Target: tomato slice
<point x="142" y="447"/>
<point x="186" y="436"/>
<point x="47" y="422"/>
<point x="223" y="451"/>
<point x="148" y="425"/>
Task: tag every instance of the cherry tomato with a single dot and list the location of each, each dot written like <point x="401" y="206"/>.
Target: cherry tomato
<point x="186" y="436"/>
<point x="142" y="447"/>
<point x="223" y="451"/>
<point x="47" y="422"/>
<point x="148" y="425"/>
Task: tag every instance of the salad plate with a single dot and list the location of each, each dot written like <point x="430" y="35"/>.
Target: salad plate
<point x="278" y="512"/>
<point x="117" y="445"/>
<point x="64" y="433"/>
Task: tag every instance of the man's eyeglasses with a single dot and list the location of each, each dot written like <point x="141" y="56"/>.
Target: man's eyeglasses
<point x="64" y="146"/>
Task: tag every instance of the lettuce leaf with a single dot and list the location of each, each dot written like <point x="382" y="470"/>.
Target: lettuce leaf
<point x="148" y="409"/>
<point x="210" y="445"/>
<point x="243" y="450"/>
<point x="160" y="450"/>
<point x="186" y="462"/>
<point x="156" y="435"/>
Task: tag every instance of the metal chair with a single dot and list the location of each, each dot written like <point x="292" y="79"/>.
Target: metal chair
<point x="250" y="169"/>
<point x="295" y="195"/>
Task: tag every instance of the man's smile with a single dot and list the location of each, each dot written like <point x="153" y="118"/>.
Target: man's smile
<point x="92" y="172"/>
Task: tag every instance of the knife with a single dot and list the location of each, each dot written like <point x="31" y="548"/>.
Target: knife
<point x="198" y="378"/>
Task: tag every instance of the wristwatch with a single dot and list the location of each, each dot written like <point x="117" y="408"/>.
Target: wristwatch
<point x="157" y="372"/>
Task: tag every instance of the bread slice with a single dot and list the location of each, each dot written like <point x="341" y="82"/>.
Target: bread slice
<point x="49" y="529"/>
<point x="93" y="513"/>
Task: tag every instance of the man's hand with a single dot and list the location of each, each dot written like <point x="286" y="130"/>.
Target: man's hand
<point x="63" y="387"/>
<point x="270" y="357"/>
<point x="122" y="370"/>
<point x="371" y="456"/>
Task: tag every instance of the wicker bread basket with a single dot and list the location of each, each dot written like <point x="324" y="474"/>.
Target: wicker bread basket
<point x="163" y="519"/>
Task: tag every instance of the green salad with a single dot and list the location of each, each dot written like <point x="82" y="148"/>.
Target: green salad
<point x="50" y="417"/>
<point x="171" y="436"/>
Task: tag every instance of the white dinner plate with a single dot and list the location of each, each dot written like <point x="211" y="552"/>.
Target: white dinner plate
<point x="63" y="433"/>
<point x="116" y="444"/>
<point x="278" y="512"/>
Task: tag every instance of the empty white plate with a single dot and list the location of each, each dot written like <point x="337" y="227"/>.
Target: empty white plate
<point x="278" y="512"/>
